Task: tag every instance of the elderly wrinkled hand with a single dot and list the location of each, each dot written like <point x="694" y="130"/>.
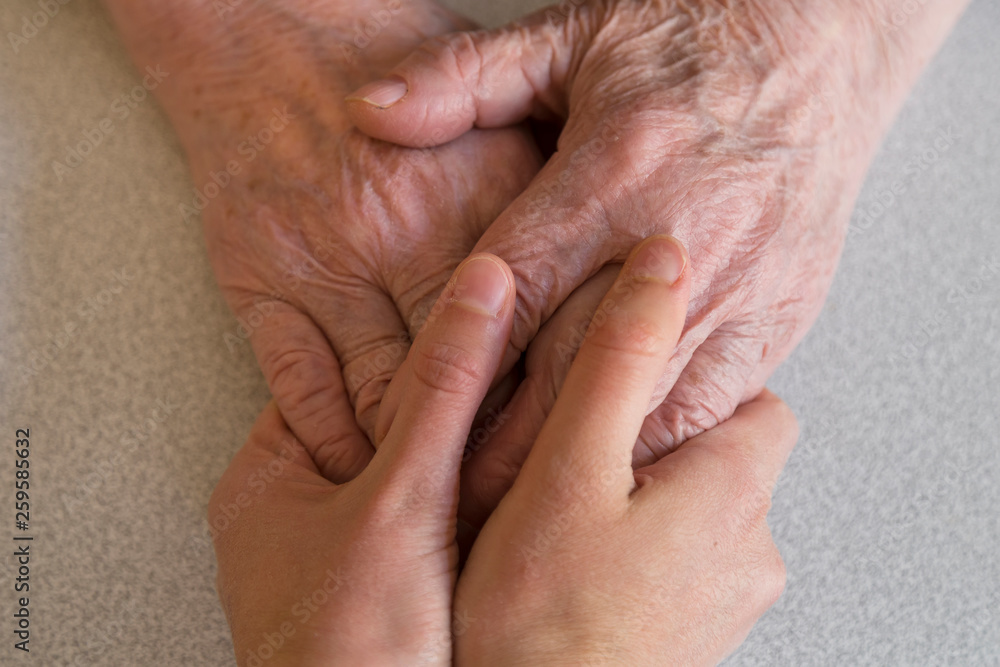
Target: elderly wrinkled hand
<point x="329" y="246"/>
<point x="744" y="129"/>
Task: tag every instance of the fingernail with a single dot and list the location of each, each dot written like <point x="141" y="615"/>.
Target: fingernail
<point x="481" y="285"/>
<point x="382" y="94"/>
<point x="658" y="259"/>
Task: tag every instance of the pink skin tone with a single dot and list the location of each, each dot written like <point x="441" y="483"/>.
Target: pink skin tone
<point x="733" y="131"/>
<point x="363" y="573"/>
<point x="743" y="129"/>
<point x="745" y="134"/>
<point x="331" y="246"/>
<point x="580" y="557"/>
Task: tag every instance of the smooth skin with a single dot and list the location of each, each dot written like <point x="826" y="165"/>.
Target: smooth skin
<point x="387" y="536"/>
<point x="584" y="561"/>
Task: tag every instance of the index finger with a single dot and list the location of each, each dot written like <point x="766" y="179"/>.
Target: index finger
<point x="589" y="435"/>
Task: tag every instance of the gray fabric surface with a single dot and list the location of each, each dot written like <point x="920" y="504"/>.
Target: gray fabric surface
<point x="887" y="514"/>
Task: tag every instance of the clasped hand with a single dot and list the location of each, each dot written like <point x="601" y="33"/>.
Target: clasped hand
<point x="585" y="561"/>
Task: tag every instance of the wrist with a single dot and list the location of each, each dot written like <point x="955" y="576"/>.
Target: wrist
<point x="826" y="77"/>
<point x="867" y="54"/>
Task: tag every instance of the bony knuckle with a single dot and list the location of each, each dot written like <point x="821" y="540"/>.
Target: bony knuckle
<point x="337" y="456"/>
<point x="446" y="367"/>
<point x="756" y="503"/>
<point x="293" y="367"/>
<point x="366" y="376"/>
<point x="693" y="409"/>
<point x="454" y="51"/>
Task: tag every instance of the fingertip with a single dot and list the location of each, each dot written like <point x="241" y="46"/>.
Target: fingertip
<point x="483" y="283"/>
<point x="453" y="360"/>
<point x="416" y="115"/>
<point x="660" y="258"/>
<point x="381" y="94"/>
<point x="451" y="84"/>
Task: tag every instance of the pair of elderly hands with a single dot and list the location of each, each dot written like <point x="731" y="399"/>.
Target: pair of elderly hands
<point x="741" y="129"/>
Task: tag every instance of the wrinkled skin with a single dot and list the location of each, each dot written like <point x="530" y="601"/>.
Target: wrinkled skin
<point x="725" y="127"/>
<point x="329" y="246"/>
<point x="580" y="557"/>
<point x="363" y="573"/>
<point x="730" y="129"/>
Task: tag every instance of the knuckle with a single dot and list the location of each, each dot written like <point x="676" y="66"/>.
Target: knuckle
<point x="527" y="317"/>
<point x="458" y="53"/>
<point x="447" y="368"/>
<point x="688" y="413"/>
<point x="295" y="372"/>
<point x="367" y="375"/>
<point x="786" y="422"/>
<point x="743" y="489"/>
<point x="338" y="456"/>
<point x="772" y="580"/>
<point x="368" y="397"/>
<point x="305" y="386"/>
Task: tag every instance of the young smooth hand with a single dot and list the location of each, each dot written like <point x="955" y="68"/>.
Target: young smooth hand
<point x="586" y="561"/>
<point x="362" y="573"/>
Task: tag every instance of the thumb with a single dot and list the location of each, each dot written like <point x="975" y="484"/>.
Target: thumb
<point x="445" y="378"/>
<point x="453" y="83"/>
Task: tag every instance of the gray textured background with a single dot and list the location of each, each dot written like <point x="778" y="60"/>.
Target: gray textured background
<point x="887" y="514"/>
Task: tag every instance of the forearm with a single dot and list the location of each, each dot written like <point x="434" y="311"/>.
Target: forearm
<point x="237" y="70"/>
<point x="219" y="49"/>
